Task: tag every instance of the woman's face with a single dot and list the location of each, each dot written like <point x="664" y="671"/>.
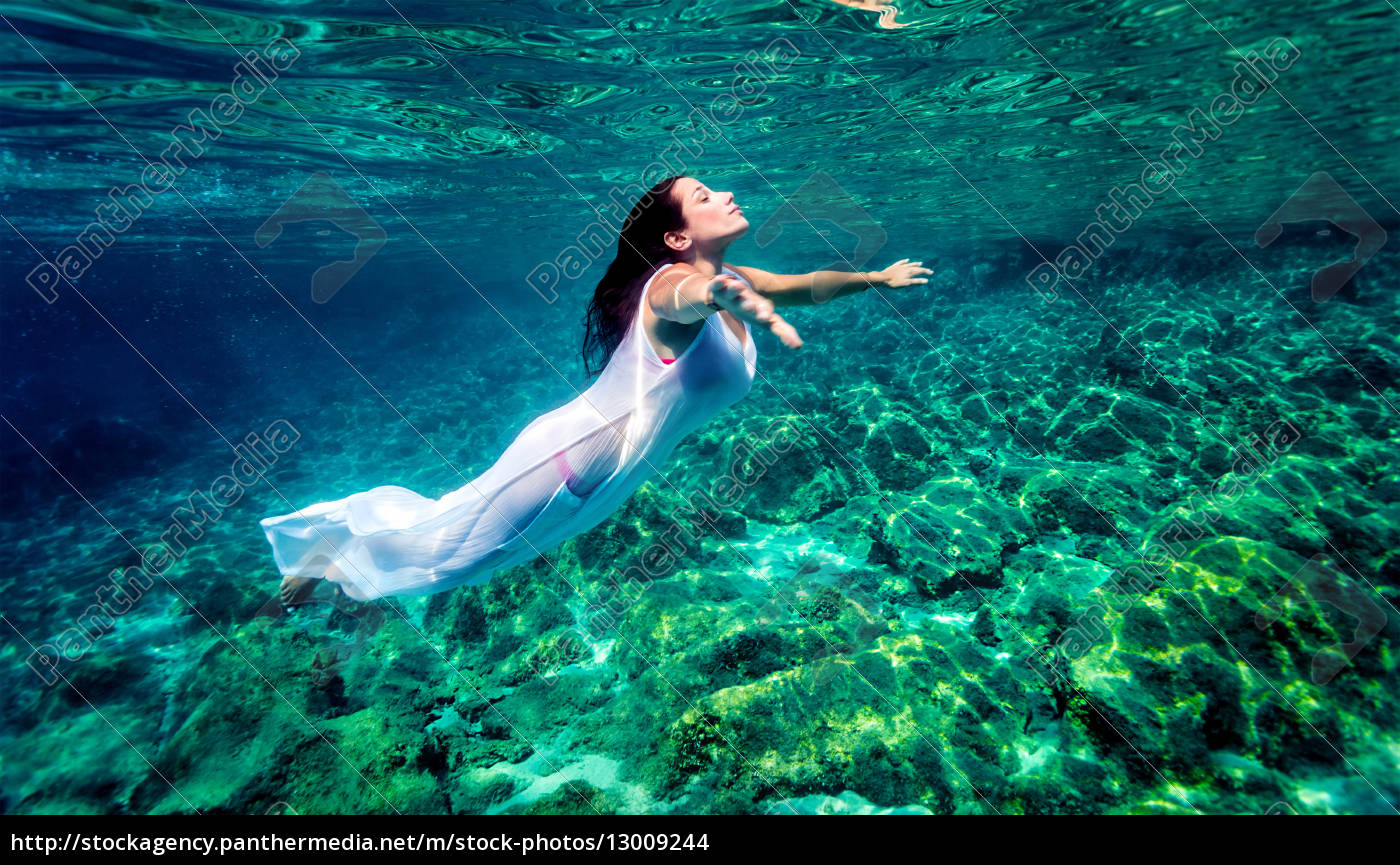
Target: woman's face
<point x="710" y="216"/>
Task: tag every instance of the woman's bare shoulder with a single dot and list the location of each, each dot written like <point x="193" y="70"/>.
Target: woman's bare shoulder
<point x="676" y="273"/>
<point x="667" y="280"/>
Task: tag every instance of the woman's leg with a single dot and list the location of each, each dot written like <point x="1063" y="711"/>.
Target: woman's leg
<point x="588" y="463"/>
<point x="296" y="591"/>
<point x="381" y="544"/>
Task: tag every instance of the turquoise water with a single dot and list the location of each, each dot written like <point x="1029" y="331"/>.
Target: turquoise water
<point x="1101" y="519"/>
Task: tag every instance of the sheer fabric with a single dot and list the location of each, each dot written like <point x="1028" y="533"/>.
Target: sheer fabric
<point x="565" y="473"/>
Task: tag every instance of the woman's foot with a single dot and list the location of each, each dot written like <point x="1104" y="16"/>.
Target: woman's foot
<point x="295" y="590"/>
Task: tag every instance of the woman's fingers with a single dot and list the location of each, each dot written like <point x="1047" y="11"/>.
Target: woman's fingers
<point x="905" y="272"/>
<point x="727" y="294"/>
<point x="750" y="306"/>
<point x="778" y="325"/>
<point x="785" y="332"/>
<point x="726" y="287"/>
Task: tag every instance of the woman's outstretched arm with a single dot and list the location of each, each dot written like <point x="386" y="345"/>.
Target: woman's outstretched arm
<point x="820" y="286"/>
<point x="692" y="299"/>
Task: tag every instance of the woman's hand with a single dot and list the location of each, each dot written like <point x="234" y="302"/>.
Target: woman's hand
<point x="902" y="273"/>
<point x="748" y="305"/>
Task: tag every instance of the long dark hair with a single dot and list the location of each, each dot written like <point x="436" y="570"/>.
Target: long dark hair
<point x="640" y="251"/>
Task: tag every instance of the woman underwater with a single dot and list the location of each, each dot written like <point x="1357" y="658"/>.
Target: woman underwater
<point x="671" y="323"/>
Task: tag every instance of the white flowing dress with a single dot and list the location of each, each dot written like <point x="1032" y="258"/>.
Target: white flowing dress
<point x="390" y="540"/>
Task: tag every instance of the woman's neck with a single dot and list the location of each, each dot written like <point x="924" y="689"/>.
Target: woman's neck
<point x="708" y="263"/>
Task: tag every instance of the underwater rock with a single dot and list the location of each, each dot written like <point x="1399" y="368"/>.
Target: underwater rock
<point x="846" y="802"/>
<point x="1061" y="784"/>
<point x="949" y="538"/>
<point x="1159" y="676"/>
<point x="576" y="797"/>
<point x="813" y="740"/>
<point x="475" y="792"/>
<point x="1101" y="505"/>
